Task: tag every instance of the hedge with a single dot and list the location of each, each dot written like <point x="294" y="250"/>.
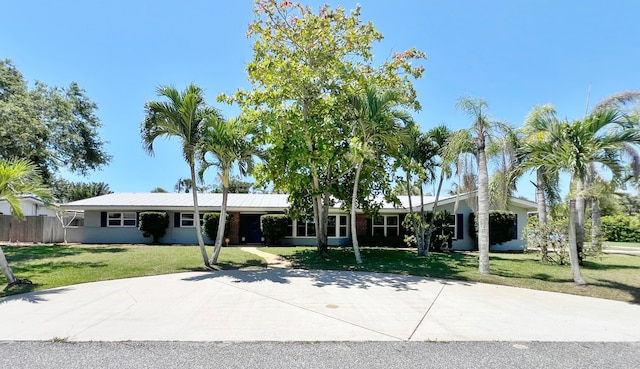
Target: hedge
<point x="500" y="227"/>
<point x="154" y="224"/>
<point x="274" y="227"/>
<point x="210" y="223"/>
<point x="621" y="228"/>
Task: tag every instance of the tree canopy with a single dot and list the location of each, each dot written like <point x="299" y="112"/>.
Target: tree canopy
<point x="53" y="127"/>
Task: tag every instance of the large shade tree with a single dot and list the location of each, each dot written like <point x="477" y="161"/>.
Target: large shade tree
<point x="179" y="115"/>
<point x="304" y="66"/>
<point x="55" y="128"/>
<point x="225" y="144"/>
<point x="19" y="177"/>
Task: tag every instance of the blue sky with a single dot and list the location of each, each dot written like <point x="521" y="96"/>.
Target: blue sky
<point x="514" y="54"/>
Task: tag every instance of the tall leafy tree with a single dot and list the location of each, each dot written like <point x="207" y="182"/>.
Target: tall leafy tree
<point x="474" y="141"/>
<point x="179" y="115"/>
<point x="376" y="130"/>
<point x="19" y="177"/>
<point x="304" y="66"/>
<point x="225" y="144"/>
<point x="53" y="127"/>
<point x="66" y="191"/>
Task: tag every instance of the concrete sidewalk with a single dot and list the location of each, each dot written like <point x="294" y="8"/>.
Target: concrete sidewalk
<point x="296" y="305"/>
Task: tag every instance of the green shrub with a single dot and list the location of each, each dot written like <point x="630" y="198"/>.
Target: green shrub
<point x="154" y="224"/>
<point x="621" y="228"/>
<point x="274" y="227"/>
<point x="210" y="223"/>
<point x="500" y="227"/>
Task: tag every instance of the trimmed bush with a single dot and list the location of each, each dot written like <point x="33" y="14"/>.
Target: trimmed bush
<point x="500" y="227"/>
<point x="210" y="223"/>
<point x="621" y="228"/>
<point x="274" y="227"/>
<point x="153" y="224"/>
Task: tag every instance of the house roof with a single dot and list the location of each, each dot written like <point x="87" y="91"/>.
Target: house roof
<point x="235" y="202"/>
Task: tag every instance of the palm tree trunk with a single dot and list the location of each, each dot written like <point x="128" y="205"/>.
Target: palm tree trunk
<point x="425" y="250"/>
<point x="354" y="199"/>
<point x="580" y="210"/>
<point x="223" y="217"/>
<point x="541" y="200"/>
<point x="596" y="225"/>
<point x="427" y="241"/>
<point x="414" y="226"/>
<point x="483" y="213"/>
<point x="573" y="249"/>
<point x="6" y="269"/>
<point x="196" y="217"/>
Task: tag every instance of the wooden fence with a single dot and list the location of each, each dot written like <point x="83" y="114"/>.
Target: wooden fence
<point x="39" y="229"/>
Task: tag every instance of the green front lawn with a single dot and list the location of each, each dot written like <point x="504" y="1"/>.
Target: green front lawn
<point x="58" y="265"/>
<point x="615" y="277"/>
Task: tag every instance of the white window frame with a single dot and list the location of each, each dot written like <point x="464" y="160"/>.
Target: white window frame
<point x="339" y="225"/>
<point x="385" y="226"/>
<point x="125" y="217"/>
<point x="189" y="218"/>
<point x="454" y="226"/>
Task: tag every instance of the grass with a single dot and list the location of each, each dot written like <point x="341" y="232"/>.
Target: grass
<point x="49" y="266"/>
<point x="609" y="276"/>
<point x="625" y="244"/>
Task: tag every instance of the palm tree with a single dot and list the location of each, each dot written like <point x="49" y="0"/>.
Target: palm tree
<point x="19" y="177"/>
<point x="439" y="137"/>
<point x="228" y="143"/>
<point x="602" y="137"/>
<point x="474" y="141"/>
<point x="375" y="128"/>
<point x="178" y="115"/>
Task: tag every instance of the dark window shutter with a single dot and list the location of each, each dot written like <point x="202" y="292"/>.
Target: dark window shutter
<point x="459" y="227"/>
<point x="515" y="227"/>
<point x="176" y="219"/>
<point x="369" y="226"/>
<point x="103" y="219"/>
<point x="137" y="218"/>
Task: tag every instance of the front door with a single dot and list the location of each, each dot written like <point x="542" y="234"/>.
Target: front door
<point x="250" y="228"/>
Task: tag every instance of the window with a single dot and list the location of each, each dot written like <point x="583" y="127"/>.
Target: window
<point x="385" y="225"/>
<point x="121" y="219"/>
<point x="452" y="224"/>
<point x="337" y="227"/>
<point x="186" y="219"/>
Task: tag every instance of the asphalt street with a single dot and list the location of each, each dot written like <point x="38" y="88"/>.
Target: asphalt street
<point x="326" y="355"/>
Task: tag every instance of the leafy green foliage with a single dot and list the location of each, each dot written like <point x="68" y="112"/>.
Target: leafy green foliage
<point x="305" y="65"/>
<point x="550" y="238"/>
<point x="210" y="222"/>
<point x="500" y="226"/>
<point x="52" y="127"/>
<point x="621" y="228"/>
<point x="154" y="224"/>
<point x="274" y="227"/>
<point x="66" y="191"/>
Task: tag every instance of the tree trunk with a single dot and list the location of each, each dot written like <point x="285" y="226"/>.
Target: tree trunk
<point x="596" y="226"/>
<point x="580" y="210"/>
<point x="425" y="250"/>
<point x="427" y="241"/>
<point x="6" y="269"/>
<point x="223" y="217"/>
<point x="541" y="200"/>
<point x="196" y="217"/>
<point x="414" y="226"/>
<point x="483" y="213"/>
<point x="573" y="249"/>
<point x="354" y="199"/>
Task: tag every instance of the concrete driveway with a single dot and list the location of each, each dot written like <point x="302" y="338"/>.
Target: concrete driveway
<point x="300" y="305"/>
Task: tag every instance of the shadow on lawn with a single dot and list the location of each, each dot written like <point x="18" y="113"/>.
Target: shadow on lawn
<point x="632" y="290"/>
<point x="23" y="253"/>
